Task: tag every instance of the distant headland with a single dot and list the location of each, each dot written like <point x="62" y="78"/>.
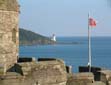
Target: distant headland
<point x="27" y="37"/>
<point x="31" y="38"/>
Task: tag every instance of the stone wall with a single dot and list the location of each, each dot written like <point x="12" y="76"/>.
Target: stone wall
<point x="80" y="78"/>
<point x="45" y="72"/>
<point x="37" y="73"/>
<point x="50" y="73"/>
<point x="9" y="38"/>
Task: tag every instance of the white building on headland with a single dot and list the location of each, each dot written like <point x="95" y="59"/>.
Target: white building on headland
<point x="53" y="37"/>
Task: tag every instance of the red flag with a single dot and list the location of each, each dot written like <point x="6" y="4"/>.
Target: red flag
<point x="92" y="22"/>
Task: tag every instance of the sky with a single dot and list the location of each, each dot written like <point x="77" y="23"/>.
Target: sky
<point x="65" y="17"/>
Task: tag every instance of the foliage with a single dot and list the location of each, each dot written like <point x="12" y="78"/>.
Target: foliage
<point x="29" y="38"/>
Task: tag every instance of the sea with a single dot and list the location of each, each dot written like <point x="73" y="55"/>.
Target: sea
<point x="74" y="51"/>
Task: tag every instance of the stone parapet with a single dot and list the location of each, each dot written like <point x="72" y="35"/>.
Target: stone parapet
<point x="42" y="72"/>
<point x="96" y="83"/>
<point x="80" y="79"/>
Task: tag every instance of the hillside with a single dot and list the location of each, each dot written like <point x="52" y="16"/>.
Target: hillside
<point x="30" y="38"/>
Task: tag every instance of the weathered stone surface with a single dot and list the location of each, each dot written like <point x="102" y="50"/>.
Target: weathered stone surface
<point x="97" y="83"/>
<point x="94" y="70"/>
<point x="50" y="74"/>
<point x="80" y="79"/>
<point x="1" y="70"/>
<point x="109" y="82"/>
<point x="9" y="39"/>
<point x="105" y="76"/>
<point x="10" y="5"/>
<point x="46" y="73"/>
<point x="43" y="73"/>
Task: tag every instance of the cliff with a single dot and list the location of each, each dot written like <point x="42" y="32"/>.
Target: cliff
<point x="31" y="38"/>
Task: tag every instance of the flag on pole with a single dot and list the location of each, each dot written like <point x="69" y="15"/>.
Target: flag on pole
<point x="92" y="22"/>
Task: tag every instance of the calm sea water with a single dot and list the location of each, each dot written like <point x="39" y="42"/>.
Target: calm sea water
<point x="74" y="54"/>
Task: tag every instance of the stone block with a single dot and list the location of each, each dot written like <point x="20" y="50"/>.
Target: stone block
<point x="94" y="70"/>
<point x="2" y="69"/>
<point x="105" y="76"/>
<point x="109" y="82"/>
<point x="80" y="79"/>
<point x="96" y="83"/>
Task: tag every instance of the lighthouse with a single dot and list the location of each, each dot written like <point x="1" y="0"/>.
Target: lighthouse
<point x="53" y="38"/>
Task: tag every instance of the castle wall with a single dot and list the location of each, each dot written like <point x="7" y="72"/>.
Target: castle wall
<point x="9" y="38"/>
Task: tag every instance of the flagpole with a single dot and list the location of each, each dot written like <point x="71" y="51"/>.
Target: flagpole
<point x="89" y="44"/>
